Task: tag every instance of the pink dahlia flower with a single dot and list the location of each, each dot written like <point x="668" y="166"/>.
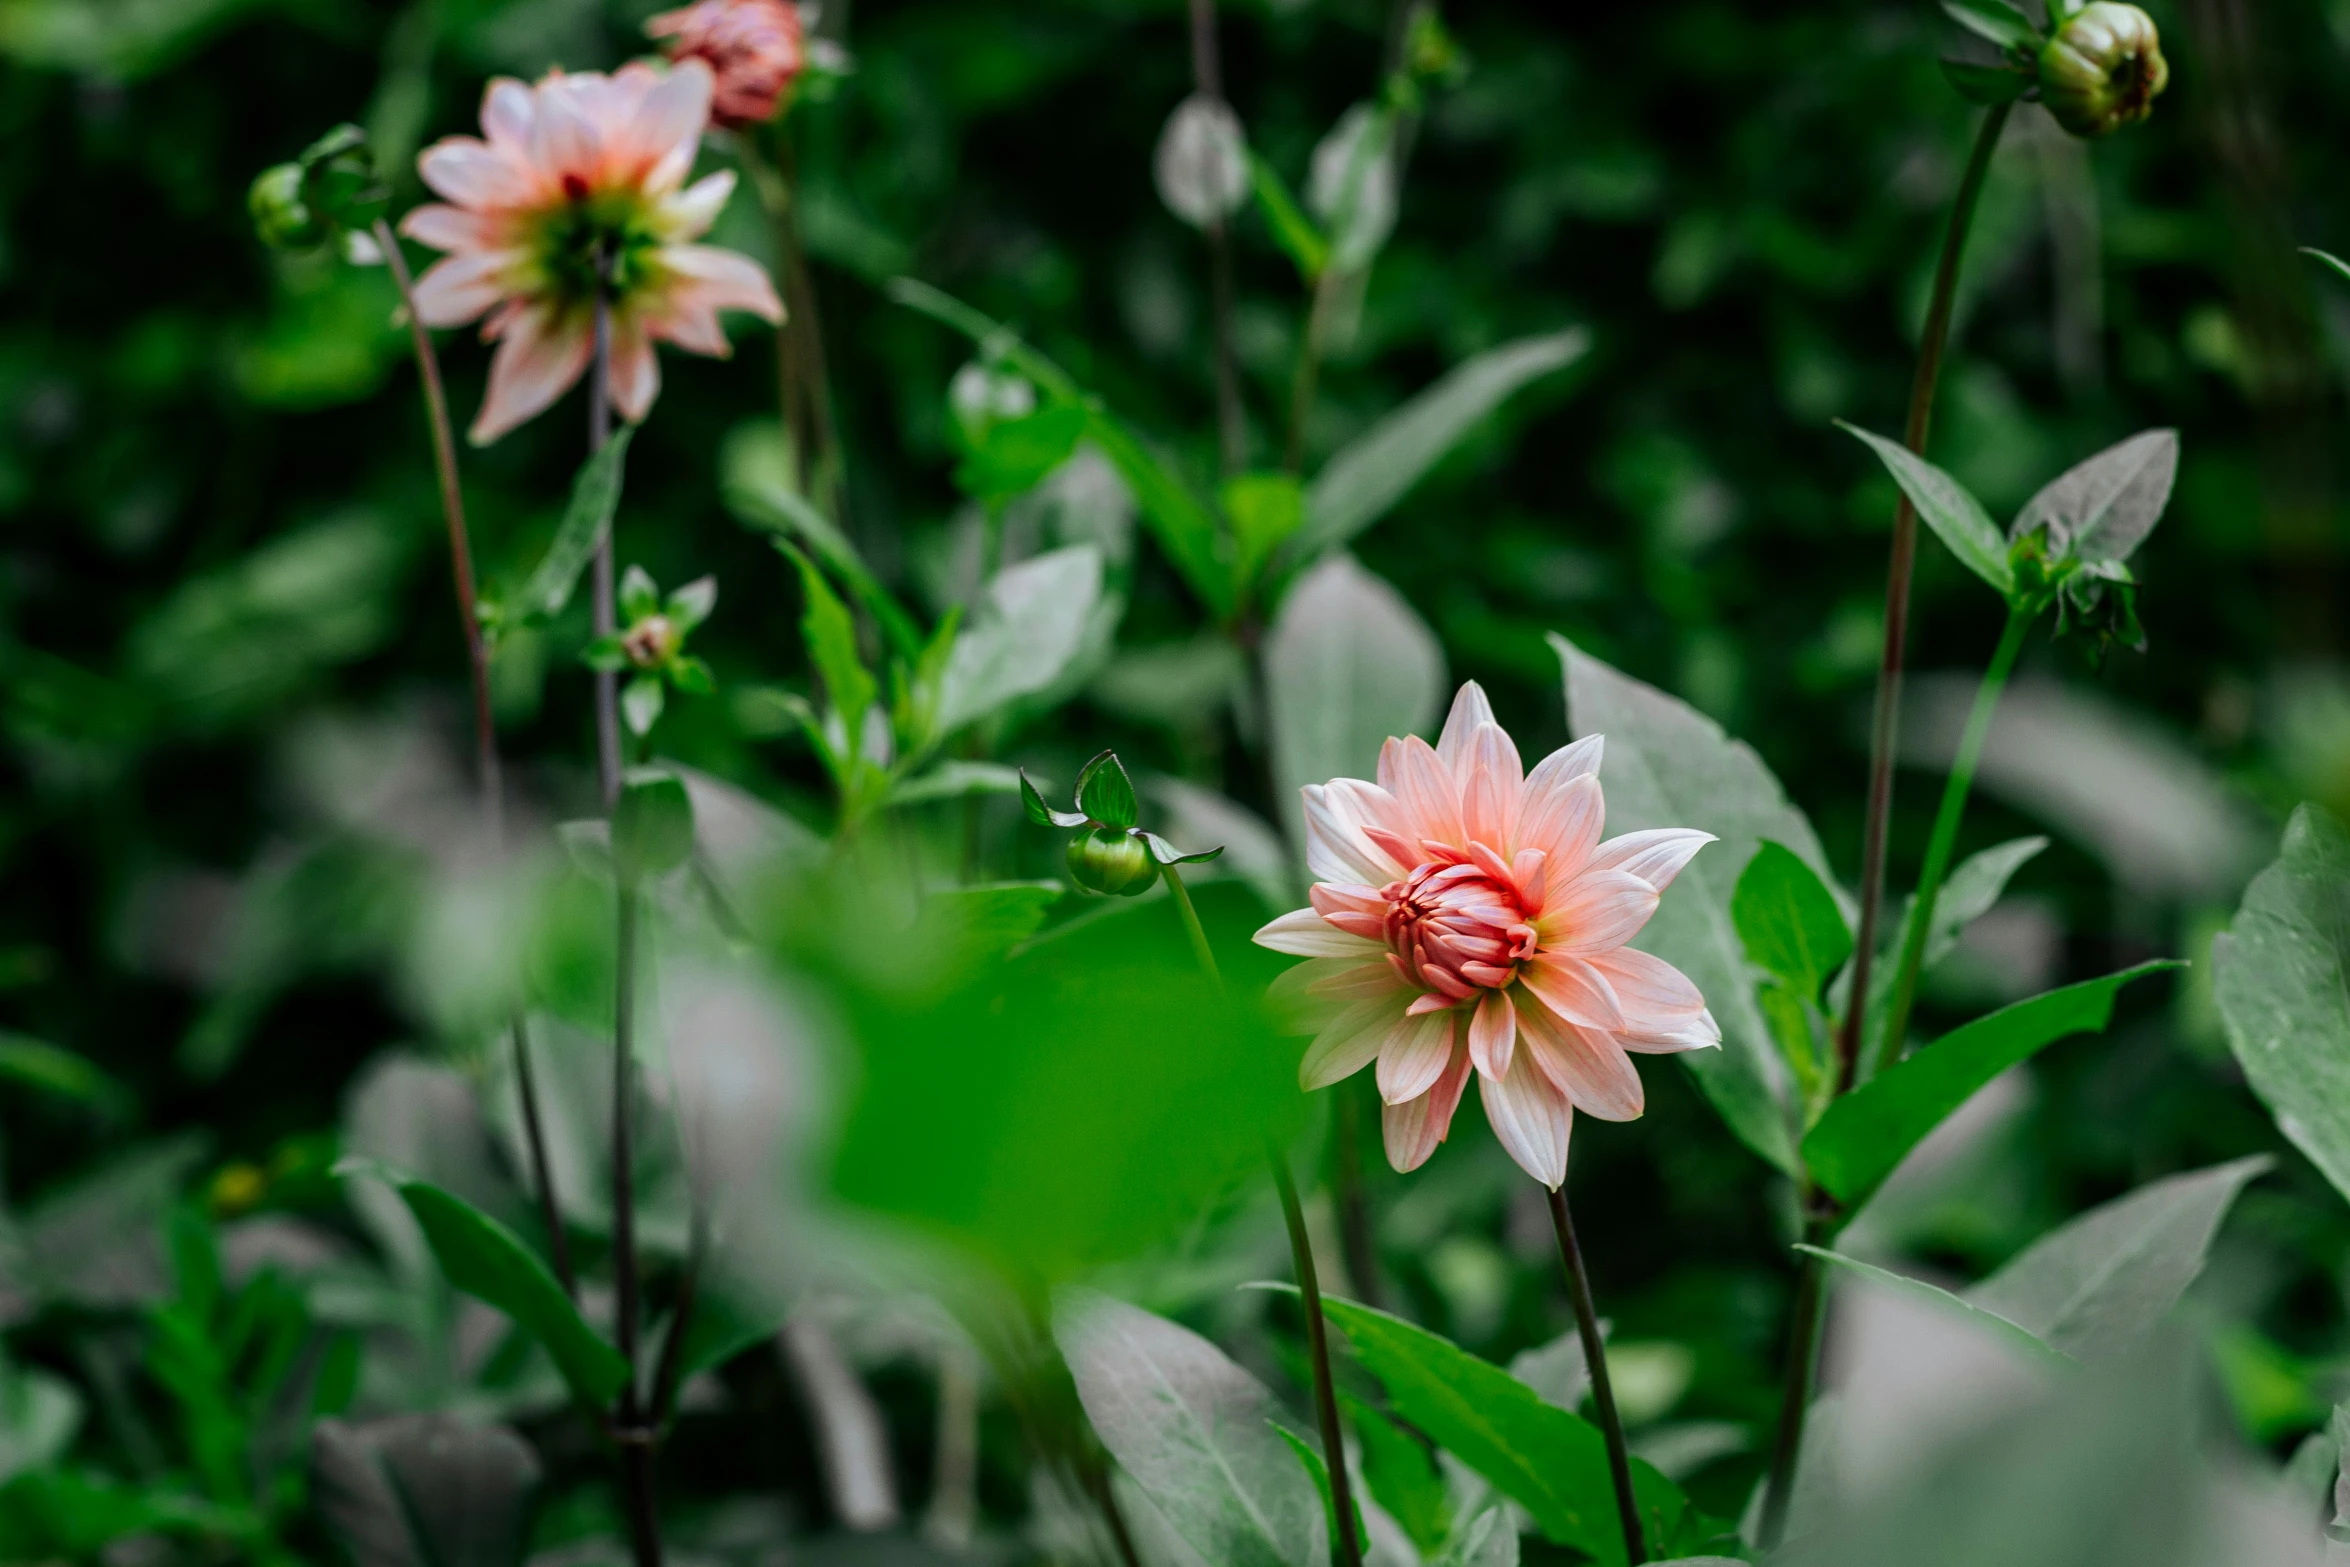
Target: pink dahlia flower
<point x="581" y="168"/>
<point x="1468" y="915"/>
<point x="755" y="48"/>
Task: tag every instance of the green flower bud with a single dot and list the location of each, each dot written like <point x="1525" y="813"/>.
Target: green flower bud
<point x="339" y="181"/>
<point x="280" y="215"/>
<point x="652" y="642"/>
<point x="1111" y="861"/>
<point x="2103" y="69"/>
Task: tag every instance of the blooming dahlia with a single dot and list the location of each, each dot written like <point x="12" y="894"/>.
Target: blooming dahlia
<point x="755" y="48"/>
<point x="1468" y="915"/>
<point x="582" y="171"/>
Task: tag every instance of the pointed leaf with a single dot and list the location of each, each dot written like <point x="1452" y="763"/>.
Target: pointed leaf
<point x="1668" y="765"/>
<point x="1197" y="1433"/>
<point x="1310" y="1459"/>
<point x="1870" y="1130"/>
<point x="1030" y="628"/>
<point x="690" y="605"/>
<point x="1996" y="20"/>
<point x="1789" y="920"/>
<point x="1042" y="814"/>
<point x="754" y="480"/>
<point x="1987" y="84"/>
<point x="1402" y="1475"/>
<point x="1105" y="794"/>
<point x="638" y="596"/>
<point x="1365" y="479"/>
<point x="1167" y="854"/>
<point x="2282" y="974"/>
<point x="1989" y="1322"/>
<point x="1968" y="893"/>
<point x="1956" y="517"/>
<point x="1293" y="231"/>
<point x="831" y="637"/>
<point x="595" y="496"/>
<point x="2094" y="1288"/>
<point x="2329" y="258"/>
<point x="2101" y="510"/>
<point x="641" y="701"/>
<point x="424" y="1491"/>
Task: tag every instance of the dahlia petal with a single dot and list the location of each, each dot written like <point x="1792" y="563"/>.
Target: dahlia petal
<point x="1563" y="818"/>
<point x="1568" y="761"/>
<point x="1489" y="806"/>
<point x="566" y="140"/>
<point x="444" y="227"/>
<point x="508" y="110"/>
<point x="471" y="173"/>
<point x="1326" y="980"/>
<point x="666" y="131"/>
<point x="1411" y="770"/>
<point x="723" y="279"/>
<point x="1349" y="1043"/>
<point x="692" y="210"/>
<point x="1496" y="757"/>
<point x="539" y="355"/>
<point x="1575" y="989"/>
<point x="1596" y="911"/>
<point x="1586" y="1065"/>
<point x="1531" y="1118"/>
<point x="1470" y="711"/>
<point x="1396" y="846"/>
<point x="1336" y="848"/>
<point x="456" y="289"/>
<point x="633" y="374"/>
<point x="1413" y="1130"/>
<point x="1303" y="933"/>
<point x="1413" y="1056"/>
<point x="1342" y="897"/>
<point x="1433" y="1001"/>
<point x="1530" y="874"/>
<point x="1698" y="1033"/>
<point x="1653" y="993"/>
<point x="1493" y="1034"/>
<point x="1655" y="854"/>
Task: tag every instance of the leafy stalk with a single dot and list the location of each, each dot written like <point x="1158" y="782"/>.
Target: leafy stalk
<point x="1603" y="1393"/>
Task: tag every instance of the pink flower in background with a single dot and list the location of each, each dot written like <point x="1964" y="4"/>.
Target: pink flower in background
<point x="581" y="172"/>
<point x="755" y="48"/>
<point x="1468" y="915"/>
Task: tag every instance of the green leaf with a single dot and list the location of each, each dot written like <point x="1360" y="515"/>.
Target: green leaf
<point x="2094" y="1288"/>
<point x="1668" y="765"/>
<point x="2282" y="977"/>
<point x="754" y="480"/>
<point x="1996" y="20"/>
<point x="1166" y="853"/>
<point x="33" y="1063"/>
<point x="955" y="780"/>
<point x="1030" y="628"/>
<point x="1870" y="1130"/>
<point x="425" y="1490"/>
<point x="731" y="1314"/>
<point x="2329" y="258"/>
<point x="1403" y="1476"/>
<point x="40" y="1413"/>
<point x="595" y="496"/>
<point x="692" y="676"/>
<point x="488" y="1261"/>
<point x="1956" y="517"/>
<point x="690" y="605"/>
<point x="2102" y="509"/>
<point x="1265" y="509"/>
<point x="1310" y="1458"/>
<point x="1990" y="1323"/>
<point x="1041" y="813"/>
<point x="1292" y="230"/>
<point x="1365" y="478"/>
<point x="1550" y="1462"/>
<point x="638" y="597"/>
<point x="1105" y="794"/>
<point x="641" y="701"/>
<point x="1789" y="920"/>
<point x="1968" y="893"/>
<point x="1015" y="455"/>
<point x="1987" y="84"/>
<point x="831" y="637"/>
<point x="1199" y="1434"/>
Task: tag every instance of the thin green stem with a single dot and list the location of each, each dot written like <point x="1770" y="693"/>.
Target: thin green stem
<point x="1795" y="1402"/>
<point x="605" y="613"/>
<point x="1603" y="1392"/>
<point x="1307" y="374"/>
<point x="1191" y="924"/>
<point x="633" y="1432"/>
<point x="1309" y="1293"/>
<point x="1887" y="1042"/>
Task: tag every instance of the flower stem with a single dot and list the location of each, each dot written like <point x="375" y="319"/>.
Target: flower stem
<point x="634" y="1433"/>
<point x="1803" y="1341"/>
<point x="1938" y="848"/>
<point x="606" y="615"/>
<point x="1191" y="924"/>
<point x="1897" y="575"/>
<point x="1307" y="373"/>
<point x="1309" y="1292"/>
<point x="485" y="727"/>
<point x="1603" y="1392"/>
<point x="1207" y="77"/>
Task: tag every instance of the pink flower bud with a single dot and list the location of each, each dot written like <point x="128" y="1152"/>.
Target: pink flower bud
<point x="755" y="48"/>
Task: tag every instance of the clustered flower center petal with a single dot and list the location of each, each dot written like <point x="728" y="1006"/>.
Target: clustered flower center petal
<point x="1456" y="928"/>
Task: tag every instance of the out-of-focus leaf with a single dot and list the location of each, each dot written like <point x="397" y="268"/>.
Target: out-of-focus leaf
<point x="1365" y="478"/>
<point x="1265" y="509"/>
<point x="955" y="780"/>
<point x="2282" y="973"/>
<point x="1292" y="230"/>
<point x="39" y="1414"/>
<point x="1968" y="893"/>
<point x="1490" y="1539"/>
<point x="97" y="1242"/>
<point x="1347" y="664"/>
<point x="1015" y="455"/>
<point x="1201" y="164"/>
<point x="1982" y="1319"/>
<point x="1668" y="765"/>
<point x="1200" y="1435"/>
<point x="1030" y="626"/>
<point x="34" y="1063"/>
<point x="2095" y="1288"/>
<point x="595" y="496"/>
<point x="1550" y="1462"/>
<point x="425" y="1491"/>
<point x="488" y="1261"/>
<point x="1403" y="1477"/>
<point x="117" y="39"/>
<point x="1996" y="20"/>
<point x="1352" y="185"/>
<point x="1956" y="517"/>
<point x="2329" y="258"/>
<point x="754" y="480"/>
<point x="1863" y="1135"/>
<point x="831" y="637"/>
<point x="1789" y="920"/>
<point x="2101" y="509"/>
<point x="1986" y="83"/>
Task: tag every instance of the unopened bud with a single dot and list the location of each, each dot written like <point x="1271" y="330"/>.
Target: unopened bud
<point x="280" y="215"/>
<point x="2103" y="69"/>
<point x="652" y="642"/>
<point x="980" y="397"/>
<point x="1107" y="860"/>
<point x="339" y="181"/>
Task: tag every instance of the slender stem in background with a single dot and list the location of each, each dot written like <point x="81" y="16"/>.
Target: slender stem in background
<point x="803" y="383"/>
<point x="1308" y="372"/>
<point x="606" y="614"/>
<point x="485" y="728"/>
<point x="1355" y="1235"/>
<point x="634" y="1433"/>
<point x="1795" y="1401"/>
<point x="1207" y="78"/>
<point x="1191" y="924"/>
<point x="1309" y="1292"/>
<point x="1884" y="729"/>
<point x="1946" y="819"/>
<point x="1603" y="1392"/>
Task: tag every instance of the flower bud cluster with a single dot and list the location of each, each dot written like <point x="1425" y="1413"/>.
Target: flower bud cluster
<point x="2097" y="68"/>
<point x="331" y="191"/>
<point x="651" y="643"/>
<point x="1109" y="854"/>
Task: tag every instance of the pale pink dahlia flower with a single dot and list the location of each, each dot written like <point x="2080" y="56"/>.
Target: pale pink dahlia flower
<point x="582" y="169"/>
<point x="756" y="48"/>
<point x="1468" y="915"/>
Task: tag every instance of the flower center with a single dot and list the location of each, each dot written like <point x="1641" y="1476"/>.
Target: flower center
<point x="1456" y="929"/>
<point x="592" y="231"/>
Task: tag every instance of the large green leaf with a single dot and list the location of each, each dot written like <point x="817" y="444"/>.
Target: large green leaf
<point x="1668" y="765"/>
<point x="1789" y="920"/>
<point x="488" y="1261"/>
<point x="1550" y="1462"/>
<point x="1030" y="626"/>
<point x="1986" y="1321"/>
<point x="2103" y="508"/>
<point x="2282" y="973"/>
<point x="1956" y="517"/>
<point x="595" y="496"/>
<point x="2095" y="1287"/>
<point x="1197" y="1433"/>
<point x="1870" y="1130"/>
<point x="1358" y="485"/>
<point x="425" y="1491"/>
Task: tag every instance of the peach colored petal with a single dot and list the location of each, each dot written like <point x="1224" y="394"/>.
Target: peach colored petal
<point x="1306" y="996"/>
<point x="1491" y="798"/>
<point x="666" y="131"/>
<point x="539" y="356"/>
<point x="1493" y="1033"/>
<point x="566" y="143"/>
<point x="1413" y="1055"/>
<point x="508" y="110"/>
<point x="471" y="173"/>
<point x="1350" y="1041"/>
<point x="1653" y="993"/>
<point x="1336" y="848"/>
<point x="1575" y="989"/>
<point x="1586" y="1065"/>
<point x="1562" y="818"/>
<point x="1568" y="761"/>
<point x="1698" y="1033"/>
<point x="692" y="210"/>
<point x="444" y="227"/>
<point x="1596" y="911"/>
<point x="455" y="290"/>
<point x="1655" y="854"/>
<point x="633" y="375"/>
<point x="1303" y="933"/>
<point x="1531" y="1119"/>
<point x="723" y="279"/>
<point x="1470" y="711"/>
<point x="1414" y="1129"/>
<point x="1411" y="770"/>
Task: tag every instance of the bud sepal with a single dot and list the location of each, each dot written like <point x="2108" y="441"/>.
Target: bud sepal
<point x="1110" y="854"/>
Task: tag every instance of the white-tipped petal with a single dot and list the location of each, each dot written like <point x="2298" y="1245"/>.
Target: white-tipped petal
<point x="1531" y="1118"/>
<point x="1303" y="933"/>
<point x="1655" y="855"/>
